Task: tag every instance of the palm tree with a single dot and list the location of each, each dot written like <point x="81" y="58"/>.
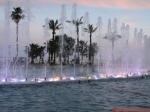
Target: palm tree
<point x="112" y="37"/>
<point x="77" y="23"/>
<point x="94" y="50"/>
<point x="90" y="29"/>
<point x="41" y="53"/>
<point x="83" y="49"/>
<point x="68" y="48"/>
<point x="17" y="15"/>
<point x="33" y="52"/>
<point x="54" y="25"/>
<point x="53" y="47"/>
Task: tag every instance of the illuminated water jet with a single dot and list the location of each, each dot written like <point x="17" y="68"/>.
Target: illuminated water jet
<point x="128" y="66"/>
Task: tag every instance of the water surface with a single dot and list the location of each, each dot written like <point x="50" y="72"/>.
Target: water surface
<point x="96" y="96"/>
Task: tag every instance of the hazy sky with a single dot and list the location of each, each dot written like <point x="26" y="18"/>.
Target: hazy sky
<point x="134" y="12"/>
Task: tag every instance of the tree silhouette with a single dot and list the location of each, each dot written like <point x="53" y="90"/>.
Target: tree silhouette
<point x="36" y="51"/>
<point x="54" y="26"/>
<point x="94" y="50"/>
<point x="33" y="52"/>
<point x="112" y="37"/>
<point x="17" y="15"/>
<point x="53" y="47"/>
<point x="83" y="49"/>
<point x="41" y="53"/>
<point x="69" y="43"/>
<point x="77" y="24"/>
<point x="90" y="29"/>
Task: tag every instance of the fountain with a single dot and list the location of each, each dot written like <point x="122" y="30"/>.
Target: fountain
<point x="99" y="35"/>
<point x="62" y="19"/>
<point x="74" y="17"/>
<point x="11" y="73"/>
<point x="5" y="57"/>
<point x="85" y="23"/>
<point x="112" y="36"/>
<point x="125" y="35"/>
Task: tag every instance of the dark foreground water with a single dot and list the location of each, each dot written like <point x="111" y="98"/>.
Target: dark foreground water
<point x="96" y="96"/>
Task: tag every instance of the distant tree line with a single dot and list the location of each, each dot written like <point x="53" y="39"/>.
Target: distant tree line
<point x="70" y="52"/>
<point x="69" y="56"/>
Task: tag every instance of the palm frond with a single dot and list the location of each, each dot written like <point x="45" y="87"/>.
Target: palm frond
<point x="81" y="19"/>
<point x="17" y="14"/>
<point x="58" y="26"/>
<point x="81" y="23"/>
<point x="74" y="22"/>
<point x="105" y="37"/>
<point x="118" y="36"/>
<point x="56" y="22"/>
<point x="94" y="29"/>
<point x="69" y="21"/>
<point x="86" y="30"/>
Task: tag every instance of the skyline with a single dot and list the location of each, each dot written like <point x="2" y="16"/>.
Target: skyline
<point x="135" y="15"/>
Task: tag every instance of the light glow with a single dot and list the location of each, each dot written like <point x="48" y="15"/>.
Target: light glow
<point x="58" y="78"/>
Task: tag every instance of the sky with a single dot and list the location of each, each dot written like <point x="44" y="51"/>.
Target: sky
<point x="136" y="13"/>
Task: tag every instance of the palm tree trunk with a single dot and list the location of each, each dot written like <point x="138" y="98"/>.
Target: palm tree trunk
<point x="54" y="54"/>
<point x="53" y="34"/>
<point x="17" y="46"/>
<point x="54" y="58"/>
<point x="68" y="59"/>
<point x="49" y="57"/>
<point x="113" y="52"/>
<point x="60" y="58"/>
<point x="82" y="58"/>
<point x="90" y="48"/>
<point x="78" y="57"/>
<point x="32" y="60"/>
